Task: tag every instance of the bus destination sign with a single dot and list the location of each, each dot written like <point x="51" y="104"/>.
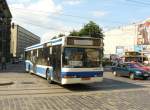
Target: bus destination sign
<point x="84" y="42"/>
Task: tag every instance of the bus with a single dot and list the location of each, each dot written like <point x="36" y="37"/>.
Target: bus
<point x="67" y="60"/>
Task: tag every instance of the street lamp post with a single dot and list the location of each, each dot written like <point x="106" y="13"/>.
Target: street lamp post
<point x="142" y="49"/>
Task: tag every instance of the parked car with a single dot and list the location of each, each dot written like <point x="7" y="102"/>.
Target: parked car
<point x="132" y="70"/>
<point x="139" y="65"/>
<point x="20" y="59"/>
<point x="15" y="60"/>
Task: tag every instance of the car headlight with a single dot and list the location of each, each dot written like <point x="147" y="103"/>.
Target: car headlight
<point x="138" y="72"/>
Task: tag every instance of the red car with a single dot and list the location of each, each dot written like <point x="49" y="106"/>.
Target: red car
<point x="140" y="66"/>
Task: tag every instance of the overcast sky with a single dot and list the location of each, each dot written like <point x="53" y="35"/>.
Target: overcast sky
<point x="47" y="18"/>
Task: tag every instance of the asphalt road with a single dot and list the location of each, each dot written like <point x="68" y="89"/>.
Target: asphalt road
<point x="30" y="92"/>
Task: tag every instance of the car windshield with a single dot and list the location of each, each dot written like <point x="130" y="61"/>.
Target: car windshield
<point x="81" y="57"/>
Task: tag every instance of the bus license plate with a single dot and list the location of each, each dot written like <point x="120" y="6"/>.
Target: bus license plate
<point x="86" y="78"/>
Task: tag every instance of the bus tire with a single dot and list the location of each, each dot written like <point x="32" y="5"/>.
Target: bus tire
<point x="48" y="77"/>
<point x="29" y="69"/>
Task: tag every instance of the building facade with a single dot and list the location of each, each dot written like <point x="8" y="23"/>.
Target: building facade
<point x="119" y="40"/>
<point x="5" y="25"/>
<point x="20" y="39"/>
<point x="134" y="37"/>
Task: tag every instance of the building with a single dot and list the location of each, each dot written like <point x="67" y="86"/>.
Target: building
<point x="133" y="37"/>
<point x="121" y="39"/>
<point x="5" y="25"/>
<point x="20" y="39"/>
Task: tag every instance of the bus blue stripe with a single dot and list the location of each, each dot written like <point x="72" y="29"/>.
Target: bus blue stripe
<point x="41" y="70"/>
<point x="83" y="74"/>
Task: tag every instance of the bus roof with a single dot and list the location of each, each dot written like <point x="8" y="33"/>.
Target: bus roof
<point x="41" y="45"/>
<point x="56" y="41"/>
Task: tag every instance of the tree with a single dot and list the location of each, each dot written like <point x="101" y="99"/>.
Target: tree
<point x="74" y="33"/>
<point x="91" y="29"/>
<point x="54" y="37"/>
<point x="61" y="35"/>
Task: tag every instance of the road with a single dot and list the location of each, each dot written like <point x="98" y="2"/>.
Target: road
<point x="30" y="92"/>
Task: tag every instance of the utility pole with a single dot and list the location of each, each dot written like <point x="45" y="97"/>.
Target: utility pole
<point x="142" y="49"/>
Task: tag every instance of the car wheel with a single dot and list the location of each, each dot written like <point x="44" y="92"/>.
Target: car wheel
<point x="48" y="77"/>
<point x="145" y="78"/>
<point x="132" y="76"/>
<point x="115" y="73"/>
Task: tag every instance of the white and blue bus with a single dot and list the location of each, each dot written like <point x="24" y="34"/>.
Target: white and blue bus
<point x="67" y="60"/>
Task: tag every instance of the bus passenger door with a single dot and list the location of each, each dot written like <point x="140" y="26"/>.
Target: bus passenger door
<point x="56" y="62"/>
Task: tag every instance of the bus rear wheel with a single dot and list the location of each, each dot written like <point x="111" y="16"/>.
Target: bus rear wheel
<point x="29" y="69"/>
<point x="48" y="77"/>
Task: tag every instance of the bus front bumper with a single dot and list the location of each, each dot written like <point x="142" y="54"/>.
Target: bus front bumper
<point x="81" y="80"/>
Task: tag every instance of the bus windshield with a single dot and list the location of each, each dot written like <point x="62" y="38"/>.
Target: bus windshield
<point x="81" y="57"/>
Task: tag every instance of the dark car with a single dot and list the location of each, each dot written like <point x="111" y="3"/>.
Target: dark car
<point x="132" y="70"/>
<point x="15" y="60"/>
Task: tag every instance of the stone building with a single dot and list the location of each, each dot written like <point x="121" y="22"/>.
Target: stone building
<point x="133" y="37"/>
<point x="5" y="25"/>
<point x="20" y="39"/>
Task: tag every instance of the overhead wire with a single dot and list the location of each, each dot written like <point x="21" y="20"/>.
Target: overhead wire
<point x="67" y="15"/>
<point x="139" y="2"/>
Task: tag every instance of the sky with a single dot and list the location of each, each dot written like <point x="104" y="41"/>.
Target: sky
<point x="48" y="18"/>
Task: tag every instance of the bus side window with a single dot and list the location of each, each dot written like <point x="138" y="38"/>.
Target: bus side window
<point x="50" y="50"/>
<point x="49" y="58"/>
<point x="56" y="57"/>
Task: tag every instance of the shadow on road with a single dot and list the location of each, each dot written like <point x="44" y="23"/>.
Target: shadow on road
<point x="107" y="84"/>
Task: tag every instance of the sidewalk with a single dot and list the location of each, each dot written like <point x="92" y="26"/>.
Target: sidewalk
<point x="15" y="68"/>
<point x="11" y="68"/>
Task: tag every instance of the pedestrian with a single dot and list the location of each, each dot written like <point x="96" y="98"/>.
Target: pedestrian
<point x="3" y="63"/>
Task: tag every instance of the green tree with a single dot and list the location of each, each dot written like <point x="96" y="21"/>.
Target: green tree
<point x="74" y="33"/>
<point x="91" y="29"/>
<point x="54" y="37"/>
<point x="61" y="35"/>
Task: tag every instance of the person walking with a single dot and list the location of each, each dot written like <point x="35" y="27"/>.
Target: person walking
<point x="3" y="63"/>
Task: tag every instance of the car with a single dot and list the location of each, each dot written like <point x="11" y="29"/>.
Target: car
<point x="15" y="60"/>
<point x="132" y="70"/>
<point x="20" y="59"/>
<point x="139" y="65"/>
